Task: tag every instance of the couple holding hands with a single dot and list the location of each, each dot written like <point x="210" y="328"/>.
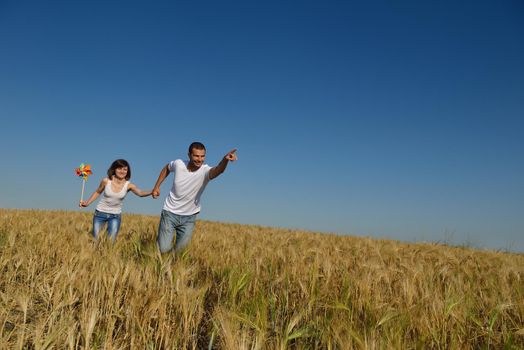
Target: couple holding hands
<point x="182" y="204"/>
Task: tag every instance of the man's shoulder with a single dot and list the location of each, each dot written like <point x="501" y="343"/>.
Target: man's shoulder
<point x="176" y="163"/>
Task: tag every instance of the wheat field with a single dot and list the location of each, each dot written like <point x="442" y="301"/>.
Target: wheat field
<point x="247" y="287"/>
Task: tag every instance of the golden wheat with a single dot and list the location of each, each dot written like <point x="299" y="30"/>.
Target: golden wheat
<point x="247" y="287"/>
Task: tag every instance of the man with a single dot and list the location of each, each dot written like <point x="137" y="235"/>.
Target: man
<point x="183" y="202"/>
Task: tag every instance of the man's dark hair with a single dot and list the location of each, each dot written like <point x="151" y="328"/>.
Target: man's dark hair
<point x="197" y="145"/>
<point x="119" y="163"/>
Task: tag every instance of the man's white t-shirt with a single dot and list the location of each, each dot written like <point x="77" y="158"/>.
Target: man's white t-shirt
<point x="184" y="197"/>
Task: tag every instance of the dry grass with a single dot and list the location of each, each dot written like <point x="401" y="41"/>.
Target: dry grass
<point x="247" y="287"/>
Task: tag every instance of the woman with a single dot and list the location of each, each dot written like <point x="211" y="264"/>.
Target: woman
<point x="115" y="187"/>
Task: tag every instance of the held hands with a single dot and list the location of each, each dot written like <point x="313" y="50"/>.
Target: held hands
<point x="83" y="204"/>
<point x="155" y="193"/>
<point x="231" y="156"/>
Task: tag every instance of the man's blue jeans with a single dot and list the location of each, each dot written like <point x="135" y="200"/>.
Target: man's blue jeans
<point x="113" y="224"/>
<point x="170" y="223"/>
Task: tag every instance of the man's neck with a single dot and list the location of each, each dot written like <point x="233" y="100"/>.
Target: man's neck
<point x="192" y="167"/>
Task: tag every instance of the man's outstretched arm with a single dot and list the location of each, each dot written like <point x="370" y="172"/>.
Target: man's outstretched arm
<point x="161" y="177"/>
<point x="219" y="169"/>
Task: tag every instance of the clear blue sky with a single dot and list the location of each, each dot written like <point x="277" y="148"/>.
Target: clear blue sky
<point x="390" y="119"/>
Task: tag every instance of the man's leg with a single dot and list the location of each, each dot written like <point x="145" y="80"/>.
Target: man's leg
<point x="165" y="231"/>
<point x="184" y="231"/>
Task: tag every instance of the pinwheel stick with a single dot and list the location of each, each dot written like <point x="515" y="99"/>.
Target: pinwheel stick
<point x="82" y="195"/>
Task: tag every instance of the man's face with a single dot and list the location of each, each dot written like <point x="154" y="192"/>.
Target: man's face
<point x="197" y="157"/>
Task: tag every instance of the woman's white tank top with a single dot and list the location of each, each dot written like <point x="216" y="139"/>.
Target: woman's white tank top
<point x="111" y="202"/>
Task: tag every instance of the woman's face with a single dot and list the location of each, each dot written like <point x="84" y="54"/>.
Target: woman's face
<point x="121" y="173"/>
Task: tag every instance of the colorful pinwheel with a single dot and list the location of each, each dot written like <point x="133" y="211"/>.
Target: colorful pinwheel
<point x="83" y="171"/>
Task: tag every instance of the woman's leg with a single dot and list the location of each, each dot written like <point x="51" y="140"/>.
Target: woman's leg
<point x="113" y="226"/>
<point x="99" y="220"/>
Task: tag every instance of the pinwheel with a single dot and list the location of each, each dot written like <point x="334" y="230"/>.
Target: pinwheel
<point x="83" y="171"/>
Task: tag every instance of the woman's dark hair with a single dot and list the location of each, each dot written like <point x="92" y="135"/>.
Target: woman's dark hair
<point x="196" y="145"/>
<point x="119" y="163"/>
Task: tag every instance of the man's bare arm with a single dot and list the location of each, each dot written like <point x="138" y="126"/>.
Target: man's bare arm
<point x="161" y="177"/>
<point x="221" y="167"/>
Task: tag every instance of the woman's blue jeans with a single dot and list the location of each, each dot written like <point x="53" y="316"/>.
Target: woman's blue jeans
<point x="169" y="224"/>
<point x="100" y="219"/>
